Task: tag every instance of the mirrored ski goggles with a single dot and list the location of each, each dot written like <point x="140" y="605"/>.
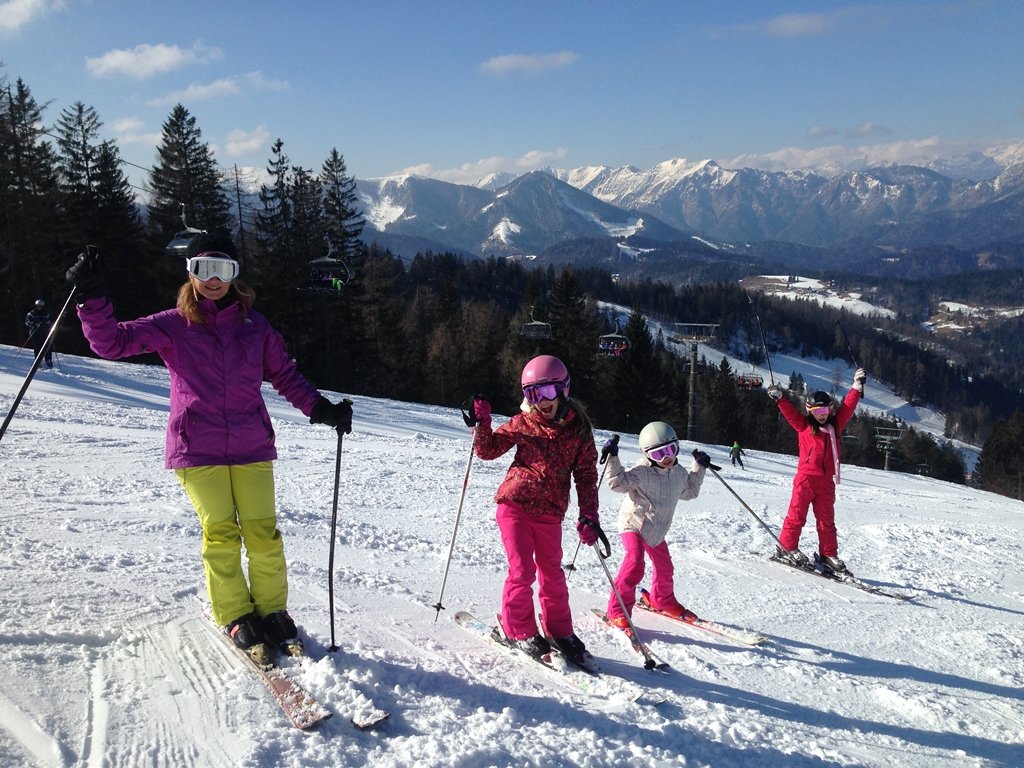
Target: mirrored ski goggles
<point x="534" y="393"/>
<point x="211" y="264"/>
<point x="820" y="410"/>
<point x="663" y="452"/>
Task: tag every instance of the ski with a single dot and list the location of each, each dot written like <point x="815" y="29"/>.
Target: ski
<point x="555" y="665"/>
<point x="296" y="703"/>
<point x="639" y="647"/>
<point x="690" y="619"/>
<point x="816" y="568"/>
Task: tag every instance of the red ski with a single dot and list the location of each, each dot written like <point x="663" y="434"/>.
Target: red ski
<point x="690" y="619"/>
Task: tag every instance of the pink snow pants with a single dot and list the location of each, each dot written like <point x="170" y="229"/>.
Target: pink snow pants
<point x="533" y="544"/>
<point x="819" y="493"/>
<point x="632" y="571"/>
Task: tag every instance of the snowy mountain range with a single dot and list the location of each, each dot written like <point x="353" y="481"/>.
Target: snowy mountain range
<point x="888" y="206"/>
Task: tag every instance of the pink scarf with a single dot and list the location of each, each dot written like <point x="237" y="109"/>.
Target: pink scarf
<point x="828" y="430"/>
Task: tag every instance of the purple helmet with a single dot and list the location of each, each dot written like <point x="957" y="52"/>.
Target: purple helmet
<point x="546" y="369"/>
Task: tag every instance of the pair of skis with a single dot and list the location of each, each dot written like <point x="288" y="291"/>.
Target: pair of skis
<point x="557" y="667"/>
<point x="688" y="619"/>
<point x="298" y="705"/>
<point x="817" y="567"/>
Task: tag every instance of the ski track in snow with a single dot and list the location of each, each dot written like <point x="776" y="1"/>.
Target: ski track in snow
<point x="111" y="662"/>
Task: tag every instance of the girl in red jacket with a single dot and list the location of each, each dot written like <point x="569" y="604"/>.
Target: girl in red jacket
<point x="554" y="440"/>
<point x="819" y="433"/>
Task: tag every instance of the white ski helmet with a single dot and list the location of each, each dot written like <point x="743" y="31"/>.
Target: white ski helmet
<point x="656" y="434"/>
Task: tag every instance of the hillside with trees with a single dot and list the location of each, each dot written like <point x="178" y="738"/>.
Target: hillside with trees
<point x="438" y="328"/>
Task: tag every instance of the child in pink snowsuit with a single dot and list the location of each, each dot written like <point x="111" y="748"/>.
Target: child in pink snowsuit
<point x="554" y="441"/>
<point x="653" y="488"/>
<point x="819" y="436"/>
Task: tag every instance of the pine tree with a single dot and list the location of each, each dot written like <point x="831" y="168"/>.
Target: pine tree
<point x="32" y="257"/>
<point x="343" y="221"/>
<point x="186" y="179"/>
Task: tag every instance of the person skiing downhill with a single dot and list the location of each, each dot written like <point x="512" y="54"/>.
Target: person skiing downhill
<point x="819" y="432"/>
<point x="653" y="488"/>
<point x="37" y="322"/>
<point x="736" y="454"/>
<point x="554" y="440"/>
<point x="220" y="441"/>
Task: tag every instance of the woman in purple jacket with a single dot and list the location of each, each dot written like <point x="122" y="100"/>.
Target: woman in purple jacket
<point x="220" y="441"/>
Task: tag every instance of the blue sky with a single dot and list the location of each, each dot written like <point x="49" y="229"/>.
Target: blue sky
<point x="459" y="89"/>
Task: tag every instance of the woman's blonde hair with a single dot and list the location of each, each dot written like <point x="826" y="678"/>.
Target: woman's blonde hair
<point x="188" y="300"/>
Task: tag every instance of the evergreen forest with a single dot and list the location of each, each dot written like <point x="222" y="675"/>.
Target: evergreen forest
<point x="440" y="328"/>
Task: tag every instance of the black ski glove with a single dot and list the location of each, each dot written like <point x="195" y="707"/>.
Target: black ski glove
<point x="337" y="415"/>
<point x="86" y="275"/>
<point x="702" y="459"/>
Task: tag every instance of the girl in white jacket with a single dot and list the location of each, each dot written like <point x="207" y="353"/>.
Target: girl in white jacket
<point x="653" y="488"/>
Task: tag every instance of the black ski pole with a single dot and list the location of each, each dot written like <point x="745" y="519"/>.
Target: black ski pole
<point x="471" y="423"/>
<point x="849" y="349"/>
<point x="35" y="363"/>
<point x="649" y="662"/>
<point x="334" y="528"/>
<point x="714" y="471"/>
<point x="768" y="360"/>
<point x="570" y="567"/>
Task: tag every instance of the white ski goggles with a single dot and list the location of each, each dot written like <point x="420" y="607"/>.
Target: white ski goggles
<point x="211" y="264"/>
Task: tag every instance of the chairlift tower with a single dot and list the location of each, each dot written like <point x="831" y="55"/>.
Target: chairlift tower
<point x="886" y="438"/>
<point x="694" y="333"/>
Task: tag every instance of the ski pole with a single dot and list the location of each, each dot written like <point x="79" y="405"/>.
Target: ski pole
<point x="649" y="662"/>
<point x="849" y="349"/>
<point x="39" y="359"/>
<point x="334" y="528"/>
<point x="771" y="375"/>
<point x="572" y="566"/>
<point x="714" y="471"/>
<point x="471" y="423"/>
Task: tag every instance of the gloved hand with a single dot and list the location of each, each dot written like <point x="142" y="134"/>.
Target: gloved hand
<point x="481" y="409"/>
<point x="86" y="274"/>
<point x="587" y="527"/>
<point x="702" y="459"/>
<point x="337" y="415"/>
<point x="859" y="378"/>
<point x="775" y="392"/>
<point x="610" y="448"/>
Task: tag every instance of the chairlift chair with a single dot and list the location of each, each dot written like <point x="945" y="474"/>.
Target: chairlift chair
<point x="749" y="381"/>
<point x="327" y="275"/>
<point x="535" y="330"/>
<point x="613" y="344"/>
<point x="178" y="246"/>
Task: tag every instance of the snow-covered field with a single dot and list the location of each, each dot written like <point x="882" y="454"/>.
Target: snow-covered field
<point x="109" y="662"/>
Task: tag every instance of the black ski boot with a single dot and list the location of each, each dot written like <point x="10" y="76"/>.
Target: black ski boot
<point x="281" y="632"/>
<point x="575" y="652"/>
<point x="247" y="637"/>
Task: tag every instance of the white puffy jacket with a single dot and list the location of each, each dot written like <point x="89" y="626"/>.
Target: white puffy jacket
<point x="651" y="495"/>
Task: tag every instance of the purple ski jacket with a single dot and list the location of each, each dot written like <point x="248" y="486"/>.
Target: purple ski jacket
<point x="217" y="368"/>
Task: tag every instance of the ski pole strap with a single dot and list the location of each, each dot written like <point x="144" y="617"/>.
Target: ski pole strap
<point x="604" y="549"/>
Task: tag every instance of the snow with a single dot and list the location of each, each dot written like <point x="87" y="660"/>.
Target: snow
<point x="110" y="663"/>
<point x="809" y="289"/>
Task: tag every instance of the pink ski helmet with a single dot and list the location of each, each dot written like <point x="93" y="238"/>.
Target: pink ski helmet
<point x="546" y="369"/>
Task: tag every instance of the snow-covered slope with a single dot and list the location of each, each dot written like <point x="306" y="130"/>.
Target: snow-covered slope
<point x="109" y="663"/>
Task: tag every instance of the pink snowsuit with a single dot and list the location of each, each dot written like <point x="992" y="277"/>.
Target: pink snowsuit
<point x="817" y="474"/>
<point x="532" y="501"/>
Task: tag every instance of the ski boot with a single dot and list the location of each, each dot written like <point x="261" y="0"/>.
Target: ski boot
<point x="280" y="631"/>
<point x="245" y="633"/>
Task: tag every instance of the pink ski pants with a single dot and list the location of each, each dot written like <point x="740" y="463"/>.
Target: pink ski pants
<point x="533" y="545"/>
